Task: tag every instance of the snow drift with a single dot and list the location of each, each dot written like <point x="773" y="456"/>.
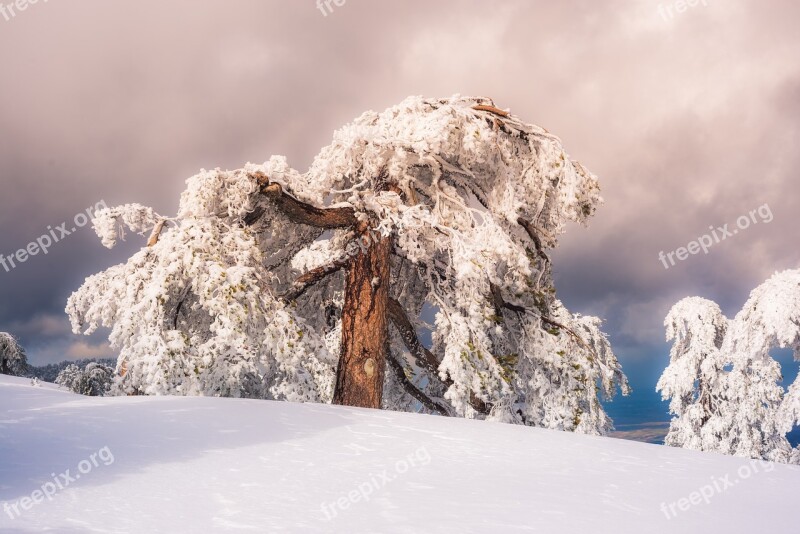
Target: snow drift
<point x="199" y="464"/>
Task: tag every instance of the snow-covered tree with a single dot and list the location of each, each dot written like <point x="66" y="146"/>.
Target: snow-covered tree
<point x="747" y="413"/>
<point x="12" y="356"/>
<point x="49" y="372"/>
<point x="769" y="319"/>
<point x="692" y="379"/>
<point x="275" y="284"/>
<point x="93" y="380"/>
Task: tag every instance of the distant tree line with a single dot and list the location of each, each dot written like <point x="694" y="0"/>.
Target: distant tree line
<point x="90" y="376"/>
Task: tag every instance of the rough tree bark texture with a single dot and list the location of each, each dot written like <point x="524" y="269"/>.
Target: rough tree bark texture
<point x="365" y="315"/>
<point x="362" y="363"/>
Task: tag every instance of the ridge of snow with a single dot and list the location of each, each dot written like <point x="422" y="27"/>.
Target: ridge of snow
<point x="201" y="464"/>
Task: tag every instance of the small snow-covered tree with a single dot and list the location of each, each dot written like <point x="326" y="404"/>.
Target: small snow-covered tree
<point x="93" y="380"/>
<point x="275" y="284"/>
<point x="769" y="319"/>
<point x="70" y="377"/>
<point x="747" y="413"/>
<point x="692" y="379"/>
<point x="13" y="360"/>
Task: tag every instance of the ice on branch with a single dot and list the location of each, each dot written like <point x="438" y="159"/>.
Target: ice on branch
<point x="110" y="223"/>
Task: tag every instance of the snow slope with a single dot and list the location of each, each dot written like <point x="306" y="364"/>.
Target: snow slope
<point x="180" y="464"/>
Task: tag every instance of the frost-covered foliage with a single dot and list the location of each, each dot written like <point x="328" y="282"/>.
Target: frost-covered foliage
<point x="110" y="223"/>
<point x="692" y="379"/>
<point x="472" y="199"/>
<point x="93" y="380"/>
<point x="724" y="385"/>
<point x="194" y="313"/>
<point x="12" y="356"/>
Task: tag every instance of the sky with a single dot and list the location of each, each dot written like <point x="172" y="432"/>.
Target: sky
<point x="688" y="115"/>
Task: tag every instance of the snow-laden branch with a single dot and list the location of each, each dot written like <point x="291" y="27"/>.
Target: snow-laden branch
<point x="110" y="223"/>
<point x="304" y="282"/>
<point x="303" y="213"/>
<point x="400" y="375"/>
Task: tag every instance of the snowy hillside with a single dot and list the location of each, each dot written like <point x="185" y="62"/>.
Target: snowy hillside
<point x="178" y="464"/>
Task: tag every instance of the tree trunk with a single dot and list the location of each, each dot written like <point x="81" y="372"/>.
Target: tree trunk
<point x="362" y="362"/>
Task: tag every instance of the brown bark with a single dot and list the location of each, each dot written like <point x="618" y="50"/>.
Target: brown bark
<point x="156" y="233"/>
<point x="362" y="362"/>
<point x="300" y="212"/>
<point x="491" y="109"/>
<point x="310" y="278"/>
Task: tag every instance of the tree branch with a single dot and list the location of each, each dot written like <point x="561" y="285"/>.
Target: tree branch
<point x="533" y="233"/>
<point x="251" y="218"/>
<point x="424" y="358"/>
<point x="490" y="109"/>
<point x="156" y="233"/>
<point x="531" y="230"/>
<point x="179" y="306"/>
<point x="300" y="212"/>
<point x="499" y="303"/>
<point x="413" y="390"/>
<point x="310" y="278"/>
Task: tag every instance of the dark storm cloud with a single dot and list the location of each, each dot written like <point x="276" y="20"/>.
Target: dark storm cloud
<point x="688" y="121"/>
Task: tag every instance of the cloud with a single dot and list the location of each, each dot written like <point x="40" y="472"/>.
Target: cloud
<point x="42" y="325"/>
<point x="81" y="349"/>
<point x="688" y="122"/>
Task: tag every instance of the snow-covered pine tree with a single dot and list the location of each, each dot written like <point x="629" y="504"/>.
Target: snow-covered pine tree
<point x="747" y="413"/>
<point x="13" y="360"/>
<point x="275" y="284"/>
<point x="770" y="319"/>
<point x="93" y="380"/>
<point x="692" y="381"/>
<point x="70" y="377"/>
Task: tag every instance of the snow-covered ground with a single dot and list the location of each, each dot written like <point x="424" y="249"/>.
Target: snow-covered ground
<point x="176" y="464"/>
